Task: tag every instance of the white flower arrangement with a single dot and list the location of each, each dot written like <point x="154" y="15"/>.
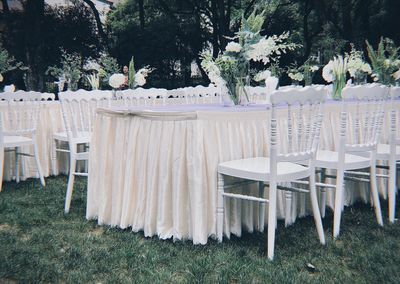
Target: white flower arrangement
<point x="94" y="81"/>
<point x="233" y="47"/>
<point x="116" y="80"/>
<point x="270" y="48"/>
<point x="231" y="69"/>
<point x="296" y="76"/>
<point x="335" y="68"/>
<point x="356" y="64"/>
<point x="141" y="74"/>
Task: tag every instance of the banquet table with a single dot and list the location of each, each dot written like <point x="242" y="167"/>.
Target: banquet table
<point x="155" y="169"/>
<point x="50" y="121"/>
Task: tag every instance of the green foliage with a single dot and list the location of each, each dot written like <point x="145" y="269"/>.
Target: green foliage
<point x="131" y="75"/>
<point x="385" y="60"/>
<point x="109" y="66"/>
<point x="7" y="62"/>
<point x="70" y="70"/>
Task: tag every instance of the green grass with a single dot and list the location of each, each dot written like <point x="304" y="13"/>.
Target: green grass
<point x="39" y="243"/>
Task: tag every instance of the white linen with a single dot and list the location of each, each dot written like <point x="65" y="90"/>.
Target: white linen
<point x="50" y="121"/>
<point x="156" y="170"/>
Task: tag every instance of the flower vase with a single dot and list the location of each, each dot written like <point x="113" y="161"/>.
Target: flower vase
<point x="338" y="84"/>
<point x="242" y="96"/>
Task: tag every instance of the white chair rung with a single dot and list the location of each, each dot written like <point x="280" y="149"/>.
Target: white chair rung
<point x="245" y="197"/>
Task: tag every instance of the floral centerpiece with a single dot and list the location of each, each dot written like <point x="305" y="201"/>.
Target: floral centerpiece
<point x="137" y="78"/>
<point x="357" y="67"/>
<point x="385" y="62"/>
<point x="304" y="72"/>
<point x="335" y="71"/>
<point x="94" y="80"/>
<point x="231" y="69"/>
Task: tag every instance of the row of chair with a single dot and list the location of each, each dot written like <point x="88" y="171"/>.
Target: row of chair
<point x="294" y="155"/>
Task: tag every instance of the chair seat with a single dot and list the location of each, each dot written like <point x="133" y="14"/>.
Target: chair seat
<point x="329" y="159"/>
<point x="17" y="141"/>
<point x="82" y="137"/>
<point x="383" y="152"/>
<point x="258" y="169"/>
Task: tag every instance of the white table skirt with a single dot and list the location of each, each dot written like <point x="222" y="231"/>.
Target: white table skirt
<point x="157" y="171"/>
<point x="50" y="121"/>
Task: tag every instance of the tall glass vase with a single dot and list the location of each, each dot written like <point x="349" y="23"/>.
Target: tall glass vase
<point x="338" y="84"/>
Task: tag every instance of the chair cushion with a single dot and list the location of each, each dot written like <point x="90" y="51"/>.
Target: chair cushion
<point x="17" y="141"/>
<point x="259" y="169"/>
<point x="329" y="160"/>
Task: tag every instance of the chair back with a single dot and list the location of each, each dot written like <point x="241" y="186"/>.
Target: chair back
<point x="23" y="110"/>
<point x="202" y="94"/>
<point x="295" y="138"/>
<point x="361" y="117"/>
<point x="79" y="110"/>
<point x="395" y="115"/>
<point x="143" y="97"/>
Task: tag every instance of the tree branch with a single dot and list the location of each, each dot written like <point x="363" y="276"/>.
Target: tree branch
<point x="99" y="24"/>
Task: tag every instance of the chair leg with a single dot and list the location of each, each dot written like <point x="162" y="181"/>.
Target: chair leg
<point x="271" y="220"/>
<point x="38" y="166"/>
<point x="375" y="195"/>
<point x="71" y="179"/>
<point x="323" y="194"/>
<point x="338" y="202"/>
<point x="288" y="206"/>
<point x="53" y="157"/>
<point x="261" y="207"/>
<point x="392" y="189"/>
<point x="220" y="207"/>
<point x="315" y="208"/>
<point x="16" y="164"/>
<point x="1" y="164"/>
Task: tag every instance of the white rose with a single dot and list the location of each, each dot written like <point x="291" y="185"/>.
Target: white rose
<point x="116" y="80"/>
<point x="140" y="79"/>
<point x="387" y="62"/>
<point x="233" y="47"/>
<point x="314" y="68"/>
<point x="1" y="78"/>
<point x="327" y="72"/>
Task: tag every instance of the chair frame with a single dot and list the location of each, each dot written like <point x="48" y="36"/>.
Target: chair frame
<point x="306" y="157"/>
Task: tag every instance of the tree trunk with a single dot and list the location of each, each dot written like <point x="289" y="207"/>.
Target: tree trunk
<point x="99" y="24"/>
<point x="34" y="15"/>
<point x="141" y="13"/>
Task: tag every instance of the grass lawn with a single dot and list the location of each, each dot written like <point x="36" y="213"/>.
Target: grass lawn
<point x="39" y="243"/>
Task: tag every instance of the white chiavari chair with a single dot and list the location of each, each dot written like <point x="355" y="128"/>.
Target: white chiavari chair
<point x="143" y="97"/>
<point x="391" y="152"/>
<point x="292" y="151"/>
<point x="79" y="114"/>
<point x="20" y="129"/>
<point x="361" y="119"/>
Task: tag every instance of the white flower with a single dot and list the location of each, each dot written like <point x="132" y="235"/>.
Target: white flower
<point x="314" y="68"/>
<point x="116" y="80"/>
<point x="91" y="65"/>
<point x="1" y="78"/>
<point x="233" y="47"/>
<point x="9" y="88"/>
<point x="140" y="79"/>
<point x="396" y="75"/>
<point x="296" y="76"/>
<point x="375" y="77"/>
<point x="327" y="72"/>
<point x="387" y="63"/>
<point x="263" y="75"/>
